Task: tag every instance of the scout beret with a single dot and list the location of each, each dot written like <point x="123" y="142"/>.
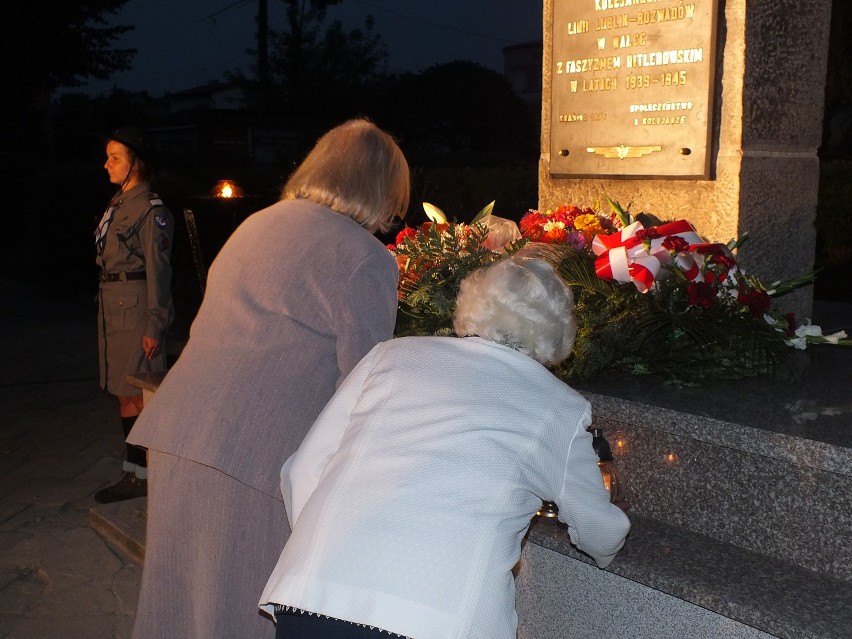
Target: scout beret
<point x="134" y="139"/>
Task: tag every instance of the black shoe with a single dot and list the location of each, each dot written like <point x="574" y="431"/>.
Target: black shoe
<point x="129" y="487"/>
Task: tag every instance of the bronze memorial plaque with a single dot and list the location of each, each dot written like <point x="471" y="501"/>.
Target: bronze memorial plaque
<point x="632" y="87"/>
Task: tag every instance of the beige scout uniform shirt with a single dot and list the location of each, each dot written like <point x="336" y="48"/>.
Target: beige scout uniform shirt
<point x="134" y="237"/>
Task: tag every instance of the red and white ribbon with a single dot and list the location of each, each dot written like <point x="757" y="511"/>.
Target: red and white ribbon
<point x="624" y="257"/>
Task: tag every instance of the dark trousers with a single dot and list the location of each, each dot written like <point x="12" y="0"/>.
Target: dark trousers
<point x="301" y="625"/>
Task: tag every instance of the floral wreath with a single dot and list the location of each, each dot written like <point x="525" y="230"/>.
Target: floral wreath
<point x="655" y="299"/>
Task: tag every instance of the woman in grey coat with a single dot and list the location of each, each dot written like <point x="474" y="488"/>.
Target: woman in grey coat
<point x="295" y="298"/>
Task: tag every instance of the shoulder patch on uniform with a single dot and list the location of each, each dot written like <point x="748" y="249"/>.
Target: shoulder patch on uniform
<point x="163" y="242"/>
<point x="160" y="220"/>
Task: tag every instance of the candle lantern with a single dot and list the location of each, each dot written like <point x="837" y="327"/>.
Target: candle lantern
<point x="548" y="510"/>
<point x="211" y="218"/>
<point x="611" y="480"/>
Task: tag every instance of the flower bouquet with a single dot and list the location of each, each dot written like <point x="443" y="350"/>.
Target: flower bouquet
<point x="650" y="297"/>
<point x="435" y="257"/>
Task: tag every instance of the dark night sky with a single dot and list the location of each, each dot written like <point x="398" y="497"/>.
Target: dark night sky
<point x="191" y="42"/>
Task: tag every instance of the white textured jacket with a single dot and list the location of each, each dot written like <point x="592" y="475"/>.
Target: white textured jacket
<point x="411" y="493"/>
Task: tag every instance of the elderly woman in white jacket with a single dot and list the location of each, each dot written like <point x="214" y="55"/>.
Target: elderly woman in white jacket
<point x="411" y="493"/>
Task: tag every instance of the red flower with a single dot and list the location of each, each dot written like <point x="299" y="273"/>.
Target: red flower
<point x="791" y="324"/>
<point x="407" y="281"/>
<point x="424" y="228"/>
<point x="531" y="220"/>
<point x="722" y="260"/>
<point x="533" y="234"/>
<point x="701" y="294"/>
<point x="562" y="224"/>
<point x="712" y="249"/>
<point x="648" y="234"/>
<point x="555" y="235"/>
<point x="675" y="244"/>
<point x="757" y="301"/>
<point x="404" y="233"/>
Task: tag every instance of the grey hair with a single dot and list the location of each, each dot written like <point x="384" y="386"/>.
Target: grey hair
<point x="521" y="303"/>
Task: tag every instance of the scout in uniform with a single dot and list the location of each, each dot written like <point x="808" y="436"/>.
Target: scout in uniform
<point x="133" y="244"/>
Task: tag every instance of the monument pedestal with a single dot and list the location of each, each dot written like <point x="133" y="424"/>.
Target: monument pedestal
<point x="735" y="488"/>
<point x="767" y="111"/>
<point x="738" y="496"/>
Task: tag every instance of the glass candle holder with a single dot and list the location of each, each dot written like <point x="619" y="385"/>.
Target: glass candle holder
<point x="606" y="464"/>
<point x="611" y="480"/>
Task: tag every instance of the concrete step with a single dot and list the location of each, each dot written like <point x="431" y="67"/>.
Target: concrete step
<point x="122" y="525"/>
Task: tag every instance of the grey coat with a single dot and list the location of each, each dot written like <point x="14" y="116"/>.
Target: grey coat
<point x="295" y="298"/>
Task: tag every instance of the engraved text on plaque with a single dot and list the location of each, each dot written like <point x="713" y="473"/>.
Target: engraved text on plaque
<point x="632" y="87"/>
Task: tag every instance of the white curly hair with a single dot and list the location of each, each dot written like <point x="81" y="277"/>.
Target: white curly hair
<point x="520" y="302"/>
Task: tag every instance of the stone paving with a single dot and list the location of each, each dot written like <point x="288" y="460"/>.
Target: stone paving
<point x="60" y="442"/>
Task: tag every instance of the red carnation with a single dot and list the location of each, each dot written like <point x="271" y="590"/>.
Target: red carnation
<point x="404" y="233"/>
<point x="723" y="260"/>
<point x="757" y="301"/>
<point x="675" y="244"/>
<point x="648" y="234"/>
<point x="712" y="249"/>
<point x="701" y="294"/>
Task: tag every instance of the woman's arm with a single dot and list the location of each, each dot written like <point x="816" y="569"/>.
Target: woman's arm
<point x="368" y="314"/>
<point x="155" y="237"/>
<point x="595" y="526"/>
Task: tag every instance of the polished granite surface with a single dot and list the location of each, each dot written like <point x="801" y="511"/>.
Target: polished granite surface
<point x="753" y="517"/>
<point x="779" y="598"/>
<point x="768" y="493"/>
<point x="812" y="399"/>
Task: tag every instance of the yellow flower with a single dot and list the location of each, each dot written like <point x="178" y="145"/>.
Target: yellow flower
<point x="588" y="224"/>
<point x="585" y="220"/>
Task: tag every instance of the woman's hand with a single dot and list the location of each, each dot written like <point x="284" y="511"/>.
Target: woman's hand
<point x="150" y="347"/>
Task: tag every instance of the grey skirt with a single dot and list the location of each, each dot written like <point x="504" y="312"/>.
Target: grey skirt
<point x="211" y="544"/>
<point x="122" y="318"/>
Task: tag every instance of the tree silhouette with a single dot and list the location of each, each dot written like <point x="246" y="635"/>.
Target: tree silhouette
<point x="315" y="70"/>
<point x="61" y="43"/>
<point x="460" y="111"/>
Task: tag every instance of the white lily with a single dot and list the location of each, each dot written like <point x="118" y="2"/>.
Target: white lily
<point x="434" y="213"/>
<point x="812" y="333"/>
<point x="834" y="338"/>
<point x="808" y="330"/>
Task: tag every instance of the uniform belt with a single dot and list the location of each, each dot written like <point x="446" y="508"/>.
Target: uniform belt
<point x="122" y="276"/>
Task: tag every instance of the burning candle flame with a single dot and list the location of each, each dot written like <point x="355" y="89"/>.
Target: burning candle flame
<point x="227" y="189"/>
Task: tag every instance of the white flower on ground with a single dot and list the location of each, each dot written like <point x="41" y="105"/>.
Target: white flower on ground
<point x="834" y="338"/>
<point x="811" y="333"/>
